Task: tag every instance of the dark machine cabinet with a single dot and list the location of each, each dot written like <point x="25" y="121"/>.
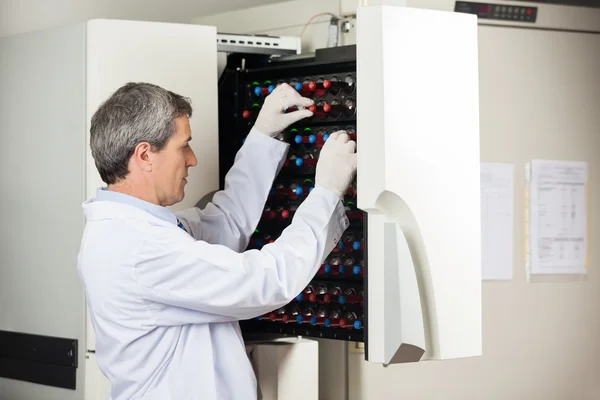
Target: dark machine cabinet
<point x="333" y="304"/>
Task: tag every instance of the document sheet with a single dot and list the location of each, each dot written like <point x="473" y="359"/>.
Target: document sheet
<point x="497" y="216"/>
<point x="558" y="217"/>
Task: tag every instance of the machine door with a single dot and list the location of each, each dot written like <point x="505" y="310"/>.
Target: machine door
<point x="418" y="181"/>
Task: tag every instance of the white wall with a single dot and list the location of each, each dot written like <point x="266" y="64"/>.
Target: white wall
<point x="18" y="16"/>
<point x="539" y="96"/>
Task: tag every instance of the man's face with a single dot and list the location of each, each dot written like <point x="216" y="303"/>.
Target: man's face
<point x="172" y="163"/>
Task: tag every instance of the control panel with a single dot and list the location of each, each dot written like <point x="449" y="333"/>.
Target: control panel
<point x="501" y="12"/>
<point x="332" y="305"/>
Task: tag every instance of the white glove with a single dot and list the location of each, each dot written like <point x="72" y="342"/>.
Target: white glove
<point x="272" y="119"/>
<point x="337" y="163"/>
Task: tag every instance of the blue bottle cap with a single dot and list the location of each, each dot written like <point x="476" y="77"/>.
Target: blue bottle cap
<point x="356" y="245"/>
<point x="327" y="268"/>
<point x="271" y="88"/>
<point x="327" y="323"/>
<point x="357" y="324"/>
<point x="311" y="188"/>
<point x="342" y="299"/>
<point x="298" y="86"/>
<point x="342" y="269"/>
<point x="299" y="319"/>
<point x="313" y="321"/>
<point x="299" y="297"/>
<point x="325" y="137"/>
<point x="298" y="139"/>
<point x="299" y="190"/>
<point x="258" y="90"/>
<point x="356" y="270"/>
<point x="259" y="317"/>
<point x="312" y="138"/>
<point x="341" y="244"/>
<point x="299" y="162"/>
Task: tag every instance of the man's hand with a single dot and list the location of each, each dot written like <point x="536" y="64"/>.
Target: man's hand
<point x="337" y="163"/>
<point x="272" y="119"/>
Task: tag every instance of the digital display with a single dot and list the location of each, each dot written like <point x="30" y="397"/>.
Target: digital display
<point x="501" y="12"/>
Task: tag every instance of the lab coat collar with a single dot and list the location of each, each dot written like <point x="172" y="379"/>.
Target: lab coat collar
<point x="137" y="207"/>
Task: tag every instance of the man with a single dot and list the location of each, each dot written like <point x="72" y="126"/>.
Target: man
<point x="166" y="291"/>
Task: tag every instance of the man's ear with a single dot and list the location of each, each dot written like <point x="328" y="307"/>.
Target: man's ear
<point x="143" y="156"/>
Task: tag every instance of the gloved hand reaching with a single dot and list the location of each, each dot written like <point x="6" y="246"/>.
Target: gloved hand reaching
<point x="337" y="163"/>
<point x="272" y="119"/>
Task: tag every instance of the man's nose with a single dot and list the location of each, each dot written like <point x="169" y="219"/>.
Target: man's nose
<point x="192" y="160"/>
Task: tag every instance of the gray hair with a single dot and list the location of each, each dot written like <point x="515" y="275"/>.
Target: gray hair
<point x="135" y="113"/>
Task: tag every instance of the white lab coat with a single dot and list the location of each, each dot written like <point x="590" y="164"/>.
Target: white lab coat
<point x="165" y="305"/>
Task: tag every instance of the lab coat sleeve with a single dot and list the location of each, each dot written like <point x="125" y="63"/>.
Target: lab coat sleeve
<point x="216" y="280"/>
<point x="234" y="213"/>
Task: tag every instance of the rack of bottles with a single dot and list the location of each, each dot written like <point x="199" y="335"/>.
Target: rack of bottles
<point x="332" y="305"/>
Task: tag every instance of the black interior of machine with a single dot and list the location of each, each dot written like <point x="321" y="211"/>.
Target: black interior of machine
<point x="333" y="304"/>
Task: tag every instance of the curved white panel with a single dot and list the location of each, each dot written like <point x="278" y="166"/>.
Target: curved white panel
<point x="395" y="324"/>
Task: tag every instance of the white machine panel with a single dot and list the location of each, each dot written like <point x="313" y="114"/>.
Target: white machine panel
<point x="97" y="387"/>
<point x="42" y="110"/>
<point x="418" y="178"/>
<point x="279" y="365"/>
